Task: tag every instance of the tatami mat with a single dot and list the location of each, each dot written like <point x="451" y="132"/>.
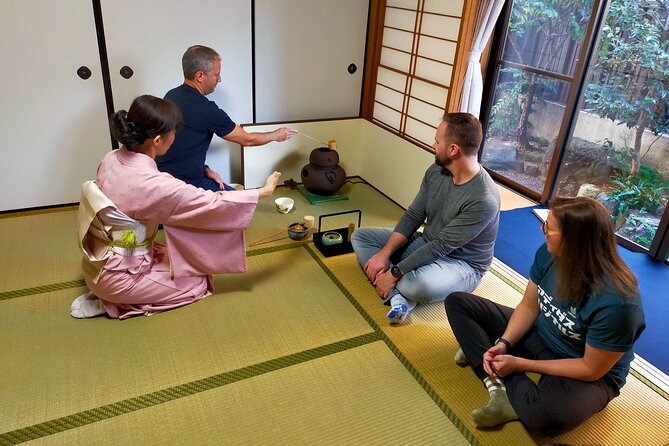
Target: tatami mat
<point x="39" y="249"/>
<point x="296" y="351"/>
<point x="370" y="399"/>
<point x="60" y="365"/>
<point x="376" y="211"/>
<point x="640" y="416"/>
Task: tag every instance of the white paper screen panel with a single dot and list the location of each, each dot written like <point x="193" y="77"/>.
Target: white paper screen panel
<point x="447" y="7"/>
<point x="387" y="115"/>
<point x="420" y="131"/>
<point x="391" y="79"/>
<point x="395" y="59"/>
<point x="435" y="71"/>
<point x="389" y="97"/>
<point x="424" y="112"/>
<point x="401" y="19"/>
<point x="409" y="4"/>
<point x="440" y="26"/>
<point x="429" y="92"/>
<point x="418" y="51"/>
<point x="443" y="51"/>
<point x="399" y="40"/>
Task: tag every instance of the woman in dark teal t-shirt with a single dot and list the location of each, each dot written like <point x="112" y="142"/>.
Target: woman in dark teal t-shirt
<point x="576" y="326"/>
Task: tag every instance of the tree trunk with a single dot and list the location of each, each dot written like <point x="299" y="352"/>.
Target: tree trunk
<point x="638" y="135"/>
<point x="521" y="133"/>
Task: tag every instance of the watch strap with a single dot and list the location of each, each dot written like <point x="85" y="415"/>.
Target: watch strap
<point x="505" y="342"/>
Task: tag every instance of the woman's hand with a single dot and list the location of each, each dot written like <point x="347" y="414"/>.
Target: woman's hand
<point x="489" y="357"/>
<point x="270" y="184"/>
<point x="505" y="364"/>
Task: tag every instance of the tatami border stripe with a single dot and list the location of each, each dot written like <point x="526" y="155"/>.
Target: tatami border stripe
<point x="80" y="282"/>
<point x="396" y="351"/>
<point x="17" y="214"/>
<point x="173" y="393"/>
<point x="270" y="249"/>
<point x="42" y="289"/>
<point x="506" y="280"/>
<point x="648" y="383"/>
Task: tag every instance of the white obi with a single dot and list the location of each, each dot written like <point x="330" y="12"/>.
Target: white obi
<point x="128" y="236"/>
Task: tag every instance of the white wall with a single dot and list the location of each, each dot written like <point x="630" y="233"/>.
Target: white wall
<point x="302" y="51"/>
<point x="54" y="125"/>
<point x="392" y="164"/>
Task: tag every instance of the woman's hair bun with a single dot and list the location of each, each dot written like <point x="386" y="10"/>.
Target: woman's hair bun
<point x="147" y="117"/>
<point x="126" y="131"/>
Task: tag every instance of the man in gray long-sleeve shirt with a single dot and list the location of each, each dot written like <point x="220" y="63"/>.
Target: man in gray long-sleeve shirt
<point x="459" y="204"/>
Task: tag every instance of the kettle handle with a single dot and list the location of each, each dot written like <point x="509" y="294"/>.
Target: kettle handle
<point x="340" y="213"/>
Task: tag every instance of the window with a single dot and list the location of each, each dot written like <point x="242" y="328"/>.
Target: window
<point x="579" y="107"/>
<point x="418" y="51"/>
<point x="533" y="80"/>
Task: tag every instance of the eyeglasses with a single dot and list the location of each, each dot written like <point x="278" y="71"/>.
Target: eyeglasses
<point x="545" y="229"/>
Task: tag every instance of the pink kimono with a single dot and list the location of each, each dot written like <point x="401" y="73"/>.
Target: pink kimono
<point x="118" y="217"/>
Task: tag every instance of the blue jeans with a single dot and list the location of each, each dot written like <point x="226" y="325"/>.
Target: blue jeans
<point x="426" y="284"/>
<point x="209" y="184"/>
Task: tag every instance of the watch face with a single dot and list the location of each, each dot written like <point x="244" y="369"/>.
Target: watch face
<point x="395" y="270"/>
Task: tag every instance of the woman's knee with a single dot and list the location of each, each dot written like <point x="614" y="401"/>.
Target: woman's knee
<point x="546" y="422"/>
<point x="456" y="300"/>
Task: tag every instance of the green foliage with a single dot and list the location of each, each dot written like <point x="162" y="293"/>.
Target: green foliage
<point x="538" y="30"/>
<point x="533" y="157"/>
<point x="635" y="192"/>
<point x="548" y="16"/>
<point x="630" y="80"/>
<point x="640" y="239"/>
<point x="505" y="113"/>
<point x="539" y="141"/>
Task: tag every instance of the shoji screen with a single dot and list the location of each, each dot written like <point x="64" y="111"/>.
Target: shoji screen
<point x="418" y="51"/>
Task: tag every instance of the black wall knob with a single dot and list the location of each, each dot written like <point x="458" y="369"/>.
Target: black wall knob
<point x="126" y="72"/>
<point x="84" y="72"/>
<point x="352" y="68"/>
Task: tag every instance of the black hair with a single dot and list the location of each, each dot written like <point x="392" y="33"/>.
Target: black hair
<point x="464" y="129"/>
<point x="147" y="118"/>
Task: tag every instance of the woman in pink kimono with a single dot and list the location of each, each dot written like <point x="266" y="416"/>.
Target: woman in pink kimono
<point x="126" y="271"/>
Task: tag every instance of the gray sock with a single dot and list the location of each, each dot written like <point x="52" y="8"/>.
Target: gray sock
<point x="460" y="358"/>
<point x="499" y="409"/>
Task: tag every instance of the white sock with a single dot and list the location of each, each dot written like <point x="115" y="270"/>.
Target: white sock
<point x="398" y="299"/>
<point x="87" y="305"/>
<point x="400" y="309"/>
<point x="493" y="384"/>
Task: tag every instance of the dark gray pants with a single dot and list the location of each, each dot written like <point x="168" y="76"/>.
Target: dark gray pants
<point x="551" y="407"/>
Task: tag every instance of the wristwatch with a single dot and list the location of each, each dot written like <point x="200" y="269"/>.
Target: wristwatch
<point x="395" y="271"/>
<point x="505" y="342"/>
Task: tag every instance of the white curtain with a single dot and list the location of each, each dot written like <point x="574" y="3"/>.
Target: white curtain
<point x="472" y="88"/>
